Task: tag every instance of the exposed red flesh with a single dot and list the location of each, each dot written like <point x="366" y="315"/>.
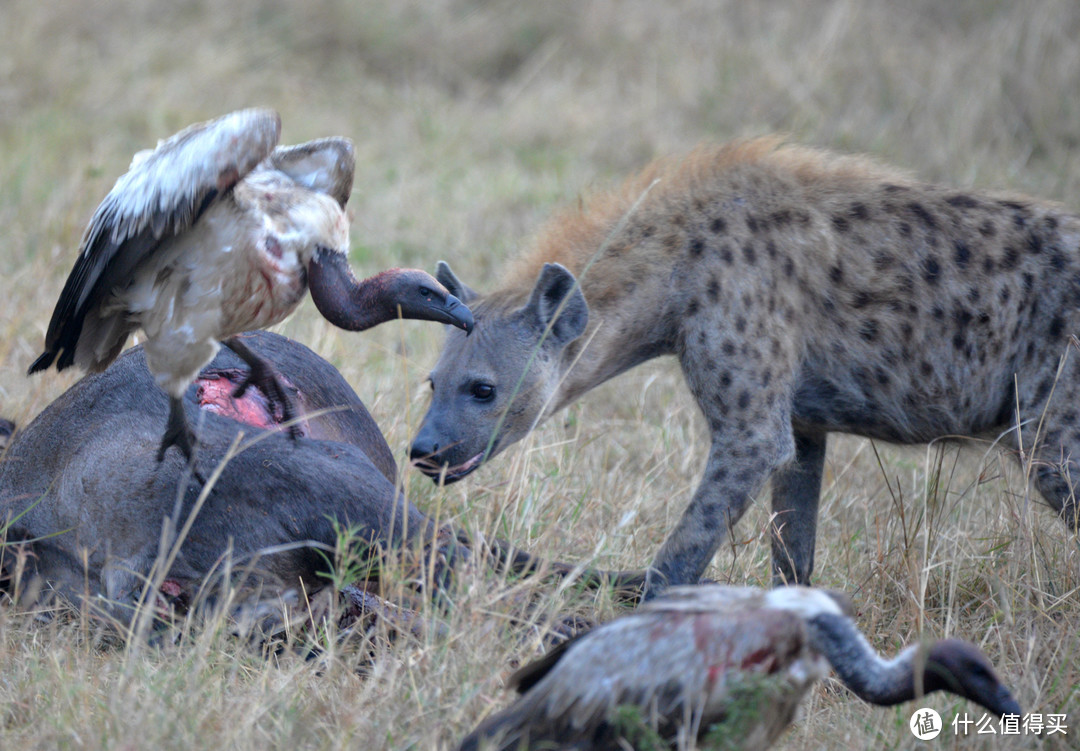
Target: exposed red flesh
<point x="215" y="394"/>
<point x="171" y="588"/>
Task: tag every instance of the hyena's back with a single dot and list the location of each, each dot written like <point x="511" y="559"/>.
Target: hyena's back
<point x="916" y="305"/>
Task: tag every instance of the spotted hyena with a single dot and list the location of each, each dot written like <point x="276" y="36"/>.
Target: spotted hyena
<point x="803" y="293"/>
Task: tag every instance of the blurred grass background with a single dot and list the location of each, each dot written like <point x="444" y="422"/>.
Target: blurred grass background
<point x="473" y="119"/>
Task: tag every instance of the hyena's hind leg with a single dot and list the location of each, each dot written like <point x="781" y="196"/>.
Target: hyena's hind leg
<point x="796" y="489"/>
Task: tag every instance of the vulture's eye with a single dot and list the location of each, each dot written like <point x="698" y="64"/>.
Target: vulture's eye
<point x="425" y="292"/>
<point x="483" y="392"/>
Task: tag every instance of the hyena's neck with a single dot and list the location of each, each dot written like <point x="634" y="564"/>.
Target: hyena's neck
<point x="611" y="345"/>
<point x="614" y="246"/>
<point x="629" y="322"/>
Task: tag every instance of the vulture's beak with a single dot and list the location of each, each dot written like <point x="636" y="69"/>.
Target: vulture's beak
<point x="458" y="314"/>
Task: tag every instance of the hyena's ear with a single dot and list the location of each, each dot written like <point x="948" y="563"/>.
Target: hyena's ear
<point x="557" y="299"/>
<point x="454" y="286"/>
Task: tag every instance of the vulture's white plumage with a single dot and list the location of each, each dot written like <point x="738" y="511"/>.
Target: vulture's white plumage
<point x="216" y="232"/>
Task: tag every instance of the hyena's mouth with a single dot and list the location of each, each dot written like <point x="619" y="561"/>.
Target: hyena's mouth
<point x="447" y="474"/>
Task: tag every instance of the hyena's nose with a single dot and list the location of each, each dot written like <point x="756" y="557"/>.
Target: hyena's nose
<point x="424" y="448"/>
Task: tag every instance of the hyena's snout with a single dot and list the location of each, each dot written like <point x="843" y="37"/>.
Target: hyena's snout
<point x="441" y="456"/>
<point x="425" y="447"/>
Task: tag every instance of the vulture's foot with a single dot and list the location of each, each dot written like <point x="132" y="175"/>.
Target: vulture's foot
<point x="179" y="433"/>
<point x="264" y="376"/>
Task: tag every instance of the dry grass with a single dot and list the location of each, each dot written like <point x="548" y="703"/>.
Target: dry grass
<point x="473" y="119"/>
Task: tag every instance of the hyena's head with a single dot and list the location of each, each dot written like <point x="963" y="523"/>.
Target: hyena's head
<point x="491" y="387"/>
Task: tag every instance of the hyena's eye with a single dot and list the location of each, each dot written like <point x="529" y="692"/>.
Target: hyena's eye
<point x="482" y="392"/>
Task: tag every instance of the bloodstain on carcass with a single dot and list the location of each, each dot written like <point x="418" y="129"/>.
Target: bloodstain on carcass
<point x="173" y="598"/>
<point x="215" y="388"/>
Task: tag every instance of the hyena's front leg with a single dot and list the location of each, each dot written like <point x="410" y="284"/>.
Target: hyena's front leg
<point x="738" y="466"/>
<point x="795" y="492"/>
<point x="1050" y="434"/>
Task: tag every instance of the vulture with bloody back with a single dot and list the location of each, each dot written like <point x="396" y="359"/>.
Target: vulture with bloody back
<point x="721" y="664"/>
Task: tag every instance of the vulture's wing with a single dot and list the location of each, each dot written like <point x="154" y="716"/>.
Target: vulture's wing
<point x="691" y="599"/>
<point x="325" y="166"/>
<point x="162" y="194"/>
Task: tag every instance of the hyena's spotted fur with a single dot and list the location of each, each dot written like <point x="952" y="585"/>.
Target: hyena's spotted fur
<point x="803" y="293"/>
